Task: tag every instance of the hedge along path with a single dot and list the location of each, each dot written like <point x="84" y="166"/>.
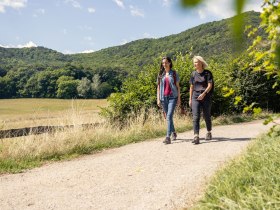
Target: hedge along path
<point x="145" y="175"/>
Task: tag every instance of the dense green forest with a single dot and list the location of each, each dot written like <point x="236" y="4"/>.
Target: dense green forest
<point x="130" y="70"/>
<point x="212" y="40"/>
<point x="45" y="73"/>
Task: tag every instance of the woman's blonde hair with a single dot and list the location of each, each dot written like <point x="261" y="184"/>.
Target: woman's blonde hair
<point x="204" y="64"/>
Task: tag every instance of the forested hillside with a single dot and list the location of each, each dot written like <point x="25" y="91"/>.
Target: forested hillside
<point x="211" y="40"/>
<point x="45" y="73"/>
<point x="35" y="56"/>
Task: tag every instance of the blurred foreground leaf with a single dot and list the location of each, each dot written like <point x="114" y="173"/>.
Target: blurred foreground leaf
<point x="190" y="3"/>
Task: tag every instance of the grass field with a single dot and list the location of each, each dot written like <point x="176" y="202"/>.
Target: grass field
<point x="251" y="181"/>
<point x="17" y="113"/>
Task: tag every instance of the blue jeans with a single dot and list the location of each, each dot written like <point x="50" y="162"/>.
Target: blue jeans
<point x="205" y="104"/>
<point x="168" y="105"/>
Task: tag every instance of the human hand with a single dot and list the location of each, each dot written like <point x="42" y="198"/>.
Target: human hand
<point x="158" y="103"/>
<point x="201" y="96"/>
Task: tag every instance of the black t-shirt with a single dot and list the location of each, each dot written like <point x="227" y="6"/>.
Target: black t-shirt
<point x="200" y="80"/>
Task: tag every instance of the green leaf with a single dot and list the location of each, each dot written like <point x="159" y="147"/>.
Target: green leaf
<point x="268" y="120"/>
<point x="237" y="100"/>
<point x="190" y="3"/>
<point x="257" y="111"/>
<point x="239" y="5"/>
<point x="229" y="92"/>
<point x="246" y="109"/>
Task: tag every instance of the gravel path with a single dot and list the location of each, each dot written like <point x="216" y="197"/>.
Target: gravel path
<point x="146" y="175"/>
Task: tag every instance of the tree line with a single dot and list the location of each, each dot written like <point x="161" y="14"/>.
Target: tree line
<point x="65" y="82"/>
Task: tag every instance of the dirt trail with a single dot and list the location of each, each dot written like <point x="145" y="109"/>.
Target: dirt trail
<point x="146" y="175"/>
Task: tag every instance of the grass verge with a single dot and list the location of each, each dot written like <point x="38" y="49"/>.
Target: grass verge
<point x="251" y="181"/>
<point x="18" y="154"/>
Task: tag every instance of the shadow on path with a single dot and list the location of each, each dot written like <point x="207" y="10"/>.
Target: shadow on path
<point x="214" y="140"/>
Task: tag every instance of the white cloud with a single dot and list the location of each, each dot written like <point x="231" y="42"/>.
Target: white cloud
<point x="88" y="38"/>
<point x="74" y="3"/>
<point x="136" y="12"/>
<point x="87" y="51"/>
<point x="27" y="45"/>
<point x="218" y="8"/>
<point x="119" y="3"/>
<point x="144" y="35"/>
<point x="252" y="5"/>
<point x="39" y="12"/>
<point x="166" y="3"/>
<point x="124" y="41"/>
<point x="85" y="28"/>
<point x="147" y="35"/>
<point x="71" y="52"/>
<point x="68" y="52"/>
<point x="91" y="10"/>
<point x="15" y="4"/>
<point x="224" y="8"/>
<point x="201" y="13"/>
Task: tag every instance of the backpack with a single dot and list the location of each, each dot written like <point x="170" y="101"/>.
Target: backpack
<point x="206" y="75"/>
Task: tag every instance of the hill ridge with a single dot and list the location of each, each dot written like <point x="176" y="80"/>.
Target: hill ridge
<point x="209" y="39"/>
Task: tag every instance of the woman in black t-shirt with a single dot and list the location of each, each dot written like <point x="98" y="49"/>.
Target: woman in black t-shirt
<point x="201" y="83"/>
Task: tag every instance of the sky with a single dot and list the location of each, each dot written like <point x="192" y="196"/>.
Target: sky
<point x="81" y="26"/>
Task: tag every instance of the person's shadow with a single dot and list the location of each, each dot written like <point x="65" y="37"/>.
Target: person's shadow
<point x="214" y="140"/>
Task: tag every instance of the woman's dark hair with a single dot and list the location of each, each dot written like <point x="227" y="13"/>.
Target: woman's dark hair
<point x="161" y="66"/>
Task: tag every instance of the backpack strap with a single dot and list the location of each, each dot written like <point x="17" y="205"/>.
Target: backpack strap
<point x="193" y="74"/>
<point x="175" y="76"/>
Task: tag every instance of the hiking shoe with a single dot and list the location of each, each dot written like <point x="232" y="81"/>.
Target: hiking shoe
<point x="167" y="140"/>
<point x="208" y="136"/>
<point x="196" y="140"/>
<point x="174" y="136"/>
<point x="195" y="135"/>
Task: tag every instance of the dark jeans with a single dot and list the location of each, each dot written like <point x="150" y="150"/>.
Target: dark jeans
<point x="168" y="106"/>
<point x="197" y="105"/>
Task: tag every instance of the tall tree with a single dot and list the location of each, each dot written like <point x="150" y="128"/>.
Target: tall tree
<point x="84" y="88"/>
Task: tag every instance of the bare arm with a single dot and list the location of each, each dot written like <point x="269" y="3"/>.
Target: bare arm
<point x="158" y="100"/>
<point x="191" y="93"/>
<point x="179" y="94"/>
<point x="209" y="87"/>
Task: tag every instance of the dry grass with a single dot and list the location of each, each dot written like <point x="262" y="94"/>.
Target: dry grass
<point x="19" y="113"/>
<point x="25" y="152"/>
<point x="22" y="152"/>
